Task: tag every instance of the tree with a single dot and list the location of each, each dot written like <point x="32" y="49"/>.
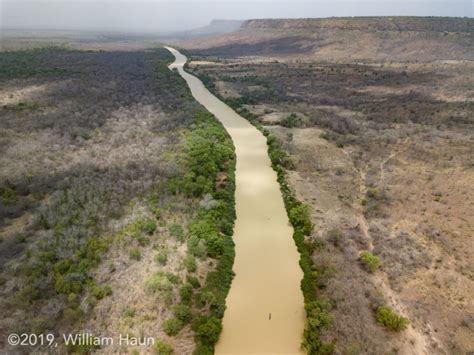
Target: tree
<point x="209" y="330"/>
<point x="300" y="218"/>
<point x="183" y="312"/>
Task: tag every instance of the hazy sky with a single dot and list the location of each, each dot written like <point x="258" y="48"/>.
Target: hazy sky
<point x="160" y="15"/>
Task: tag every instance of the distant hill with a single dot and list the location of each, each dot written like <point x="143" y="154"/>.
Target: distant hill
<point x="340" y="39"/>
<point x="414" y="24"/>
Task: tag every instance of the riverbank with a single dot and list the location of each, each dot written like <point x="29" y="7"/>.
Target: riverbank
<point x="265" y="307"/>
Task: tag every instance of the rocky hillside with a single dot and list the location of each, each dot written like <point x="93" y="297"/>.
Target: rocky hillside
<point x="369" y="39"/>
<point x="413" y="24"/>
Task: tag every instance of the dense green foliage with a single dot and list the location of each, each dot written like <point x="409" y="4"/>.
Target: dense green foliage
<point x="369" y="261"/>
<point x="33" y="62"/>
<point x="208" y="330"/>
<point x="177" y="231"/>
<point x="209" y="152"/>
<point x="100" y="292"/>
<point x="209" y="164"/>
<point x="390" y="320"/>
<point x="8" y="194"/>
<point x="161" y="348"/>
<point x="183" y="312"/>
<point x="318" y="316"/>
<point x="172" y="326"/>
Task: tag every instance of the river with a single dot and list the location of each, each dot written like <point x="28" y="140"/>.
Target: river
<point x="265" y="306"/>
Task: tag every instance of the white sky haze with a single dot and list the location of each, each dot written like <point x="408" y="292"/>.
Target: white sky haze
<point x="159" y="16"/>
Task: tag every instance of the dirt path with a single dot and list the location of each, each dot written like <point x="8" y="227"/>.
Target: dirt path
<point x="265" y="308"/>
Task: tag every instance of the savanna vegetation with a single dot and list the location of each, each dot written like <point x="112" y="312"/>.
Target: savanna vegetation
<point x="379" y="144"/>
<point x="108" y="164"/>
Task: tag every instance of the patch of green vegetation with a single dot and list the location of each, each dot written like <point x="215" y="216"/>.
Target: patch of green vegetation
<point x="161" y="348"/>
<point x="334" y="236"/>
<point x="31" y="62"/>
<point x="100" y="292"/>
<point x="190" y="263"/>
<point x="300" y="217"/>
<point x="369" y="261"/>
<point x="373" y="202"/>
<point x="437" y="196"/>
<point x="129" y="312"/>
<point x="183" y="312"/>
<point x="390" y="320"/>
<point x="8" y="194"/>
<point x="193" y="280"/>
<point x="135" y="254"/>
<point x="172" y="326"/>
<point x="173" y="278"/>
<point x="197" y="247"/>
<point x="177" y="231"/>
<point x="318" y="317"/>
<point x="162" y="258"/>
<point x="186" y="293"/>
<point x="21" y="106"/>
<point x="291" y="121"/>
<point x="209" y="152"/>
<point x="159" y="282"/>
<point x="208" y="330"/>
<point x="160" y="285"/>
<point x="141" y="225"/>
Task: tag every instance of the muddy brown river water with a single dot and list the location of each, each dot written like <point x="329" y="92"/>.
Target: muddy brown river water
<point x="265" y="308"/>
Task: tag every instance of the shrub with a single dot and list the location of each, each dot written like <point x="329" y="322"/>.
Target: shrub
<point x="207" y="298"/>
<point x="134" y="254"/>
<point x="209" y="330"/>
<point x="149" y="226"/>
<point x="177" y="231"/>
<point x="202" y="349"/>
<point x="8" y="195"/>
<point x="215" y="245"/>
<point x="101" y="292"/>
<point x="158" y="283"/>
<point x="162" y="348"/>
<point x="318" y="316"/>
<point x="201" y="228"/>
<point x="300" y="218"/>
<point x="292" y="121"/>
<point x="162" y="258"/>
<point x="183" y="312"/>
<point x="68" y="284"/>
<point x="193" y="280"/>
<point x="334" y="236"/>
<point x="172" y="326"/>
<point x="173" y="278"/>
<point x="390" y="320"/>
<point x="197" y="246"/>
<point x="143" y="225"/>
<point x="186" y="292"/>
<point x="129" y="312"/>
<point x="369" y="261"/>
<point x="190" y="263"/>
